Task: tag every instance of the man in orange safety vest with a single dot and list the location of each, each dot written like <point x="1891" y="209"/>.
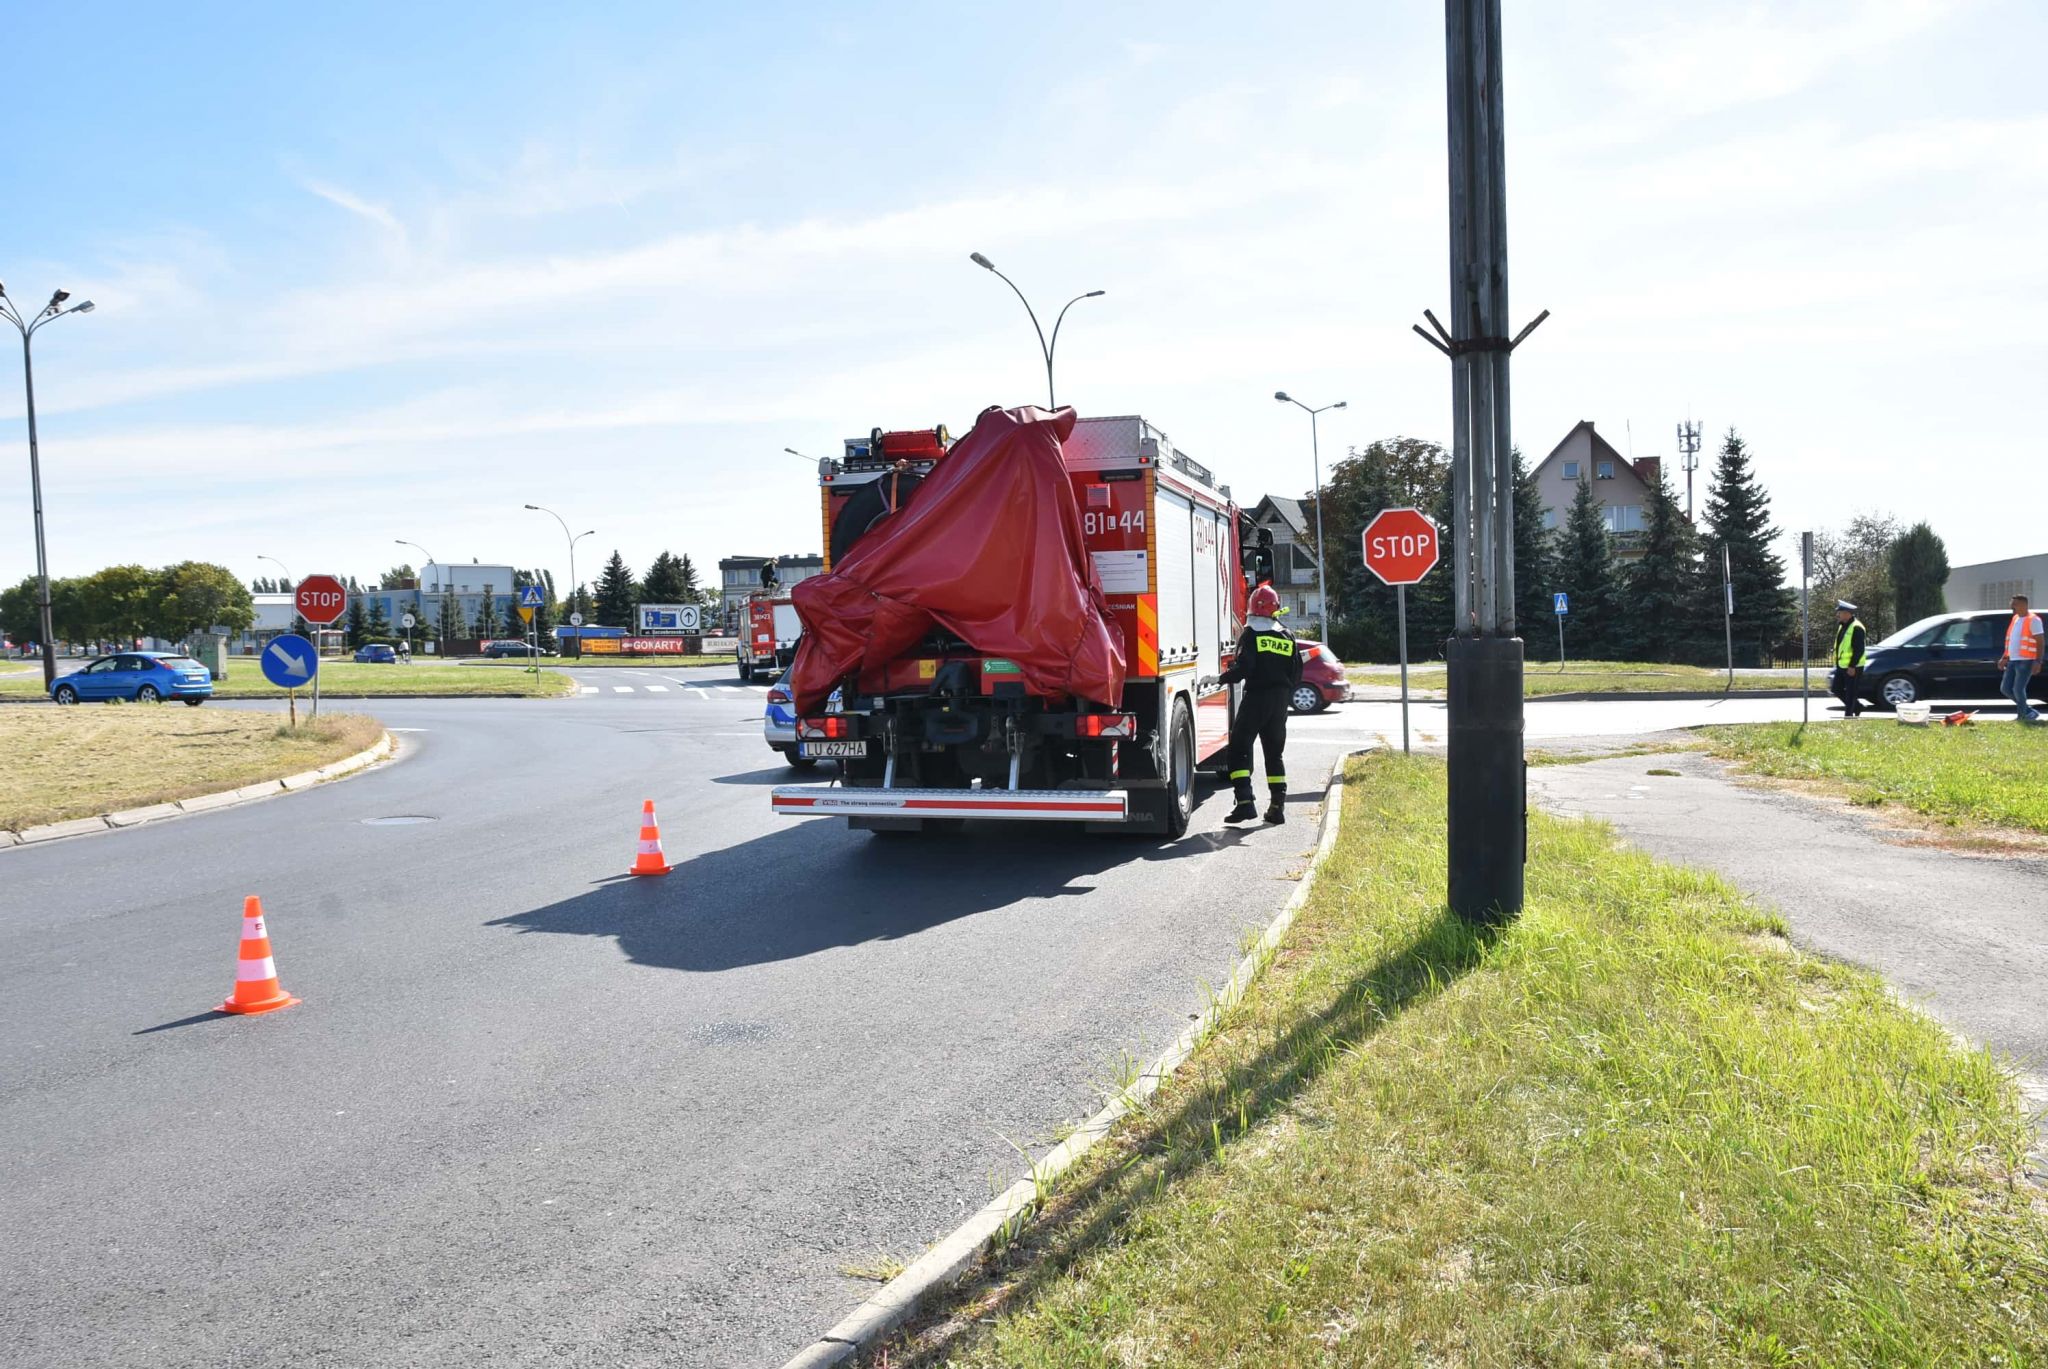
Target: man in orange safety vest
<point x="2021" y="660"/>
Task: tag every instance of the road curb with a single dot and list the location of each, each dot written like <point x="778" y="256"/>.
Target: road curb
<point x="198" y="803"/>
<point x="1393" y="695"/>
<point x="1012" y="1209"/>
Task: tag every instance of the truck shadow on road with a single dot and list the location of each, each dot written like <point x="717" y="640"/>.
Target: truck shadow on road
<point x="799" y="891"/>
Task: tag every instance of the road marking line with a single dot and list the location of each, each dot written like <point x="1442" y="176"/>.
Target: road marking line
<point x="622" y="689"/>
<point x="657" y="689"/>
<point x="590" y="689"/>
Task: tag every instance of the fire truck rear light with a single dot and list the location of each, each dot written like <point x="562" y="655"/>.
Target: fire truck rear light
<point x="824" y="729"/>
<point x="1106" y="725"/>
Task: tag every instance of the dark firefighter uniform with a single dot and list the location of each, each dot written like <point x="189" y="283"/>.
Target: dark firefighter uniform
<point x="1850" y="639"/>
<point x="1269" y="664"/>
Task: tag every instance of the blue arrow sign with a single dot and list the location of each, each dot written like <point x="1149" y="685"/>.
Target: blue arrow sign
<point x="1558" y="605"/>
<point x="290" y="662"/>
<point x="531" y="597"/>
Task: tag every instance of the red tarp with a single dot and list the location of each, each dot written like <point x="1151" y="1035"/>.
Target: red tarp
<point x="989" y="549"/>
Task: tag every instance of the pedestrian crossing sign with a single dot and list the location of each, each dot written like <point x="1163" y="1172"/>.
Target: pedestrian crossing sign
<point x="1558" y="605"/>
<point x="531" y="597"/>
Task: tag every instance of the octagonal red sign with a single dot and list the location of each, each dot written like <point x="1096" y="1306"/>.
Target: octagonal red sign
<point x="321" y="599"/>
<point x="1400" y="545"/>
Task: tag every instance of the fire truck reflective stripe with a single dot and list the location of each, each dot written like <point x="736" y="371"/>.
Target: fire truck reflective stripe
<point x="247" y="970"/>
<point x="1148" y="634"/>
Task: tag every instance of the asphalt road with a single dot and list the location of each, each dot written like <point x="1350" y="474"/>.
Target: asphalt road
<point x="533" y="1112"/>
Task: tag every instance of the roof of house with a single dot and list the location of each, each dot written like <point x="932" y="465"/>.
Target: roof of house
<point x="1584" y="442"/>
<point x="1288" y="511"/>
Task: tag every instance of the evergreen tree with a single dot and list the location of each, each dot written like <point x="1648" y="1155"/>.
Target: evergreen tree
<point x="1587" y="573"/>
<point x="447" y="618"/>
<point x="693" y="590"/>
<point x="377" y="623"/>
<point x="1536" y="568"/>
<point x="1918" y="562"/>
<point x="486" y="614"/>
<point x="353" y="631"/>
<point x="664" y="582"/>
<point x="1739" y="518"/>
<point x="616" y="594"/>
<point x="1664" y="611"/>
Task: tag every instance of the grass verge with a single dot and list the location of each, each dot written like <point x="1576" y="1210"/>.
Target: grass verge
<point x="347" y="679"/>
<point x="1996" y="774"/>
<point x="1636" y="1127"/>
<point x="1598" y="677"/>
<point x="78" y="762"/>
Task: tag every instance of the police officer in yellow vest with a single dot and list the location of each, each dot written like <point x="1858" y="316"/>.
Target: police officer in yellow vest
<point x="1269" y="663"/>
<point x="1850" y="639"/>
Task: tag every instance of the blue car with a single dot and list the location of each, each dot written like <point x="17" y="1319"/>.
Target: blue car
<point x="144" y="676"/>
<point x="377" y="653"/>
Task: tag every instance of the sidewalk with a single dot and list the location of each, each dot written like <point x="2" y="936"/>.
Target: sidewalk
<point x="1964" y="936"/>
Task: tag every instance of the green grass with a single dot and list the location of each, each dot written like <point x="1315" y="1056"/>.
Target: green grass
<point x="1599" y="677"/>
<point x="1634" y="1128"/>
<point x="1994" y="774"/>
<point x="346" y="679"/>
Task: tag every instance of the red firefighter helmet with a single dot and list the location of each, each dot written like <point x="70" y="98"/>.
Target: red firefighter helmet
<point x="1264" y="602"/>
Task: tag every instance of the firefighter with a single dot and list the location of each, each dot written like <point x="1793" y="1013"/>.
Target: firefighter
<point x="1269" y="664"/>
<point x="1847" y="682"/>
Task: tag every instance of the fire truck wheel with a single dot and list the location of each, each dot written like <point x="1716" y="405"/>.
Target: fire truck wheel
<point x="1174" y="806"/>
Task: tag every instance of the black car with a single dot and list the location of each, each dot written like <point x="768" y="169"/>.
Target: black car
<point x="497" y="651"/>
<point x="1952" y="656"/>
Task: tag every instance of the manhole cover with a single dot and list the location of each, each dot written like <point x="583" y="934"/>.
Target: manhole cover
<point x="398" y="820"/>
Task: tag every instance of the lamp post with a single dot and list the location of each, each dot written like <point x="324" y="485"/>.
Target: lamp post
<point x="27" y="327"/>
<point x="1316" y="454"/>
<point x="291" y="583"/>
<point x="1044" y="346"/>
<point x="440" y="637"/>
<point x="575" y="585"/>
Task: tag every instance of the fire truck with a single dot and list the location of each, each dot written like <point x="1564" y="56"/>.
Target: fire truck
<point x="952" y="727"/>
<point x="768" y="631"/>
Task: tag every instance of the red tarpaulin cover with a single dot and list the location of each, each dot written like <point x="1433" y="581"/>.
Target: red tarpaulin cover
<point x="989" y="549"/>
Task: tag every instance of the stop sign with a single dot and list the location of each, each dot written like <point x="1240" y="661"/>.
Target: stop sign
<point x="321" y="599"/>
<point x="1400" y="545"/>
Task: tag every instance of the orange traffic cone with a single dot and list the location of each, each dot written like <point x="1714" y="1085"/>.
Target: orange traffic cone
<point x="256" y="986"/>
<point x="649" y="861"/>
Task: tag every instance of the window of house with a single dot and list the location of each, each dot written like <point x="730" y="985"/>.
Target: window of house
<point x="1549" y="520"/>
<point x="1603" y="470"/>
<point x="1622" y="517"/>
<point x="1571" y="470"/>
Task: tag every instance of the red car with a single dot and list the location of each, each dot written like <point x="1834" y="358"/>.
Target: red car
<point x="1322" y="679"/>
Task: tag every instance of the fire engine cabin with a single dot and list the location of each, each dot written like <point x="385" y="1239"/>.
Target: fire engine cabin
<point x="945" y="732"/>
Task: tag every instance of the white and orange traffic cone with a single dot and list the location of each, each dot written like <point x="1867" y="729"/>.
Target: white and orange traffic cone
<point x="649" y="861"/>
<point x="256" y="986"/>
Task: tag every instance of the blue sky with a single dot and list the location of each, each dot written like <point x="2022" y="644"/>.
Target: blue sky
<point x="394" y="271"/>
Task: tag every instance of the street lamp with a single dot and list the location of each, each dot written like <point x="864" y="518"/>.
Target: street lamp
<point x="1316" y="452"/>
<point x="1043" y="346"/>
<point x="440" y="618"/>
<point x="575" y="585"/>
<point x="53" y="310"/>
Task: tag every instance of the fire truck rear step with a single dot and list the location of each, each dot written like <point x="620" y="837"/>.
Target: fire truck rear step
<point x="1013" y="805"/>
